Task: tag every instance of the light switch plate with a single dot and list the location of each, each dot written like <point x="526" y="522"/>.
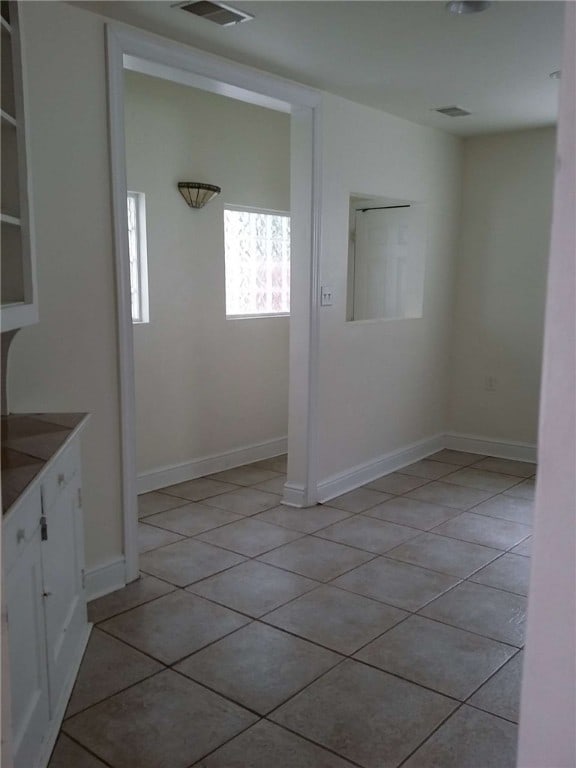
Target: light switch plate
<point x="326" y="296"/>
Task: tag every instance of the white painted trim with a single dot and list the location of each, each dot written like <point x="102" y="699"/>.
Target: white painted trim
<point x="106" y="578"/>
<point x="115" y="73"/>
<point x="247" y="84"/>
<point x="295" y="496"/>
<point x="487" y="446"/>
<point x="353" y="478"/>
<point x="58" y="715"/>
<point x="208" y="465"/>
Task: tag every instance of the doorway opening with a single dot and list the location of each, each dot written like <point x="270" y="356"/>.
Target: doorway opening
<point x="250" y="298"/>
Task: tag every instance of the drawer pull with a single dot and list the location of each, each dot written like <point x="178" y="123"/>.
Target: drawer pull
<point x="20" y="535"/>
<point x="61" y="479"/>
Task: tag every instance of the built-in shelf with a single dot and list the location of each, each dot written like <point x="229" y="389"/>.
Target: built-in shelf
<point x="19" y="299"/>
<point x="5" y="219"/>
<point x="8" y="118"/>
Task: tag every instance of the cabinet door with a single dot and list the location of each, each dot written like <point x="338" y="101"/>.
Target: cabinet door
<point x="64" y="603"/>
<point x="27" y="653"/>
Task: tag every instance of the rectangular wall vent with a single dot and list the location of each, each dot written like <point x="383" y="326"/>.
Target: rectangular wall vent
<point x="223" y="15"/>
<point x="452" y="111"/>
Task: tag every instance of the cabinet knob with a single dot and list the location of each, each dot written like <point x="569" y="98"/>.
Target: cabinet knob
<point x="61" y="479"/>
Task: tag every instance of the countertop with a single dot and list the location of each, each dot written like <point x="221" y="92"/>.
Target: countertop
<point x="29" y="442"/>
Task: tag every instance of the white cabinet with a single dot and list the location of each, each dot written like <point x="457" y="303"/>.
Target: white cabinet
<point x="19" y="300"/>
<point x="45" y="604"/>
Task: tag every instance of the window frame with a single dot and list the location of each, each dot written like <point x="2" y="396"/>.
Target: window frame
<point x="266" y="212"/>
<point x="141" y="257"/>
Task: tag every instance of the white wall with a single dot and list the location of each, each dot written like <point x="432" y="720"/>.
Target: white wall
<point x="68" y="362"/>
<point x="205" y="385"/>
<point x="503" y="258"/>
<point x="384" y="383"/>
<point x="548" y="708"/>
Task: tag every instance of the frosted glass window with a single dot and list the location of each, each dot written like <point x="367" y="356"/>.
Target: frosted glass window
<point x="386" y="259"/>
<point x="257" y="262"/>
<point x="138" y="257"/>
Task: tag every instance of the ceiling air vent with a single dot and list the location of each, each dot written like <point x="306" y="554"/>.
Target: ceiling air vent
<point x="223" y="15"/>
<point x="452" y="111"/>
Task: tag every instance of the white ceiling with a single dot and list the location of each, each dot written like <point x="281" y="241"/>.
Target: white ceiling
<point x="403" y="57"/>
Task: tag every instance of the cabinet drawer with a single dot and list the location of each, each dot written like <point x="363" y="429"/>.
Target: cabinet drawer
<point x="19" y="528"/>
<point x="61" y="474"/>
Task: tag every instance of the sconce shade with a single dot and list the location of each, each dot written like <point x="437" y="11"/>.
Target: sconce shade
<point x="196" y="193"/>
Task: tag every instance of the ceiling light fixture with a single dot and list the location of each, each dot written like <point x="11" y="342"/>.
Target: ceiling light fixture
<point x="460" y="7"/>
<point x="196" y="193"/>
<point x="555" y="75"/>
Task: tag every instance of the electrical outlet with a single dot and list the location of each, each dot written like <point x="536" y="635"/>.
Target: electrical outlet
<point x="326" y="297"/>
<point x="490" y="383"/>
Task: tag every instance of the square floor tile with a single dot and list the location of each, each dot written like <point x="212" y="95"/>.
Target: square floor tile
<point x="507" y="508"/>
<point x="439" y="553"/>
<point x="245" y="501"/>
<point x="192" y="519"/>
<point x="449" y="495"/>
<point x="524" y="548"/>
<point x="368" y="533"/>
<point x="276" y="464"/>
<point x="248" y="475"/>
<point x="198" y="489"/>
<point x="501" y="694"/>
<point x="187" y="561"/>
<point x="68" y="754"/>
<point x="174" y="626"/>
<point x="266" y="745"/>
<point x="429" y="470"/>
<point x="444" y="658"/>
<point x="259" y="666"/>
<point x="459" y="458"/>
<point x="365" y="715"/>
<point x="396" y="483"/>
<point x="336" y="619"/>
<point x="150" y="537"/>
<point x="306" y="520"/>
<point x="487" y="611"/>
<point x="509" y="572"/>
<point x="316" y="558"/>
<point x="469" y="739"/>
<point x="166" y="721"/>
<point x="506" y="466"/>
<point x="478" y="478"/>
<point x="525" y="490"/>
<point x="404" y="586"/>
<point x="417" y="514"/>
<point x="488" y="531"/>
<point x="249" y="537"/>
<point x="142" y="590"/>
<point x="275" y="485"/>
<point x="150" y="503"/>
<point x="359" y="500"/>
<point x="253" y="588"/>
<point x="108" y="666"/>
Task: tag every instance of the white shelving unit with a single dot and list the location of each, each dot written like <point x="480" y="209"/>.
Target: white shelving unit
<point x="19" y="294"/>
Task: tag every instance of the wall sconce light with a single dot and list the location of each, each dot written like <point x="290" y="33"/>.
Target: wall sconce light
<point x="196" y="193"/>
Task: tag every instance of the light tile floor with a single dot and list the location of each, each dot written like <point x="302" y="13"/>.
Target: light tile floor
<point x="383" y="629"/>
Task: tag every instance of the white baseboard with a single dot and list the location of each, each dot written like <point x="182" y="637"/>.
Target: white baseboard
<point x="106" y="578"/>
<point x="353" y="478"/>
<point x="489" y="447"/>
<point x="294" y="495"/>
<point x="180" y="473"/>
<point x="60" y="710"/>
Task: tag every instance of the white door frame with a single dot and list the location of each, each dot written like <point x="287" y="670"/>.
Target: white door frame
<point x="131" y="48"/>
